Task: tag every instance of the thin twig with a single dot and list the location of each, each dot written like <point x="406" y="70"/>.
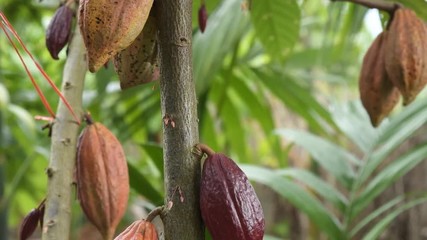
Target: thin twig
<point x="388" y="7"/>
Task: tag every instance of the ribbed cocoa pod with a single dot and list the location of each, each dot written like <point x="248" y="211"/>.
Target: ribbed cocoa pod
<point x="58" y="31"/>
<point x="139" y="63"/>
<point x="102" y="178"/>
<point x="229" y="205"/>
<point x="378" y="94"/>
<point x="31" y="220"/>
<point x="139" y="230"/>
<point x="110" y="26"/>
<point x="406" y="54"/>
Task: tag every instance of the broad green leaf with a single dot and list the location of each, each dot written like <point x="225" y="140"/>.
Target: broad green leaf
<point x="277" y="24"/>
<point x="299" y="197"/>
<point x="388" y="176"/>
<point x="142" y="186"/>
<point x="331" y="157"/>
<point x="317" y="185"/>
<point x="377" y="212"/>
<point x="225" y="28"/>
<point x="379" y="228"/>
<point x="4" y="97"/>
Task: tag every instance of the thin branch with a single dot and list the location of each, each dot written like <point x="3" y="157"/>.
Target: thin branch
<point x="388" y="7"/>
<point x="57" y="218"/>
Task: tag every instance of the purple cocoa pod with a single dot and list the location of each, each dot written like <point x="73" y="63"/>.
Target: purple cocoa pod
<point x="58" y="31"/>
<point x="229" y="205"/>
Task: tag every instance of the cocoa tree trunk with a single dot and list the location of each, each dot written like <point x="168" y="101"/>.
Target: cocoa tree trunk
<point x="180" y="130"/>
<point x="57" y="218"/>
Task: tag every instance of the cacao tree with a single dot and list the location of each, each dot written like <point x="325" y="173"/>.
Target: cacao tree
<point x="249" y="77"/>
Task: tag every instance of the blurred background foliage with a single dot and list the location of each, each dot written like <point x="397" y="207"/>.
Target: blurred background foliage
<point x="277" y="90"/>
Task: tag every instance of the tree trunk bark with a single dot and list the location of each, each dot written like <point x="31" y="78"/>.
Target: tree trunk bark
<point x="180" y="130"/>
<point x="57" y="218"/>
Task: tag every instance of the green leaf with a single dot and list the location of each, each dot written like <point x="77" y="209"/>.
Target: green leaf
<point x="331" y="157"/>
<point x="399" y="129"/>
<point x="298" y="197"/>
<point x="388" y="176"/>
<point x="155" y="152"/>
<point x="225" y="28"/>
<point x="317" y="185"/>
<point x="142" y="186"/>
<point x="277" y="25"/>
<point x="377" y="212"/>
<point x="352" y="119"/>
<point x="379" y="228"/>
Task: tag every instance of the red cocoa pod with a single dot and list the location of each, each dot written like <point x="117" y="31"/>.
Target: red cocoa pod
<point x="229" y="205"/>
<point x="102" y="178"/>
<point x="203" y="17"/>
<point x="29" y="224"/>
<point x="406" y="53"/>
<point x="139" y="230"/>
<point x="58" y="31"/>
<point x="378" y="94"/>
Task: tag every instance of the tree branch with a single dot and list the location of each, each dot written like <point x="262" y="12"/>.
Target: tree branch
<point x="57" y="218"/>
<point x="389" y="7"/>
<point x="179" y="108"/>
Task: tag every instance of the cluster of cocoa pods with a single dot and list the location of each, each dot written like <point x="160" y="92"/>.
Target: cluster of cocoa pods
<point x="122" y="31"/>
<point x="395" y="65"/>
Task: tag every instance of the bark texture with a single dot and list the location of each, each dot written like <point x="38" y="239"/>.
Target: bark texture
<point x="57" y="219"/>
<point x="180" y="130"/>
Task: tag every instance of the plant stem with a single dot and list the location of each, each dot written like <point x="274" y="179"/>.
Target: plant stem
<point x="60" y="172"/>
<point x="180" y="129"/>
<point x="389" y="7"/>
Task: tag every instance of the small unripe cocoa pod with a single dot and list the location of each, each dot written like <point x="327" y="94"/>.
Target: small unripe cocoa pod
<point x="229" y="205"/>
<point x="58" y="31"/>
<point x="139" y="230"/>
<point x="102" y="178"/>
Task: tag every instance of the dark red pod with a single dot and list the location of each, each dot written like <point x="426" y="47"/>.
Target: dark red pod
<point x="58" y="31"/>
<point x="29" y="224"/>
<point x="229" y="205"/>
<point x="203" y="17"/>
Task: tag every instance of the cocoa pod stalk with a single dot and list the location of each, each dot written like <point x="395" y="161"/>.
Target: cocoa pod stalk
<point x="406" y="54"/>
<point x="229" y="205"/>
<point x="378" y="94"/>
<point x="102" y="178"/>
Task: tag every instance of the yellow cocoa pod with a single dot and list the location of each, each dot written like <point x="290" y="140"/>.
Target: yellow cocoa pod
<point x="406" y="53"/>
<point x="110" y="26"/>
<point x="102" y="178"/>
<point x="378" y="94"/>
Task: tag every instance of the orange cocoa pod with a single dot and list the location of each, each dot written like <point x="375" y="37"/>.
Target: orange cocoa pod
<point x="139" y="230"/>
<point x="110" y="26"/>
<point x="102" y="178"/>
<point x="378" y="94"/>
<point x="139" y="63"/>
<point x="406" y="54"/>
